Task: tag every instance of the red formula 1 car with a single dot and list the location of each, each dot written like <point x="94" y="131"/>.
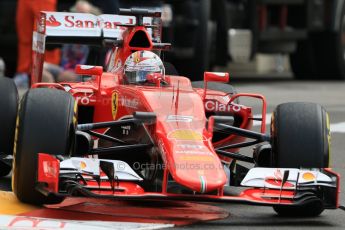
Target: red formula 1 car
<point x="138" y="131"/>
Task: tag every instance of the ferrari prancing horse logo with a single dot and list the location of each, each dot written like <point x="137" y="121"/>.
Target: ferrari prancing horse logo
<point x="114" y="104"/>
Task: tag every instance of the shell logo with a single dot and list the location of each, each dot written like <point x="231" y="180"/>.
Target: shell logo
<point x="137" y="57"/>
<point x="82" y="165"/>
<point x="308" y="176"/>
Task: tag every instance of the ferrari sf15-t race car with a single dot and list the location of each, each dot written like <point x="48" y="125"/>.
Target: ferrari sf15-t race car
<point x="138" y="131"/>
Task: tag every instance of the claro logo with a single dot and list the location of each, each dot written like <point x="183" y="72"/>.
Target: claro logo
<point x="216" y="106"/>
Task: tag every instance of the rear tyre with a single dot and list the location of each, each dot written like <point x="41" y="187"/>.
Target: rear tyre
<point x="300" y="139"/>
<point x="330" y="52"/>
<point x="202" y="49"/>
<point x="328" y="60"/>
<point x="45" y="125"/>
<point x="194" y="40"/>
<point x="8" y="105"/>
<point x="322" y="56"/>
<point x="302" y="61"/>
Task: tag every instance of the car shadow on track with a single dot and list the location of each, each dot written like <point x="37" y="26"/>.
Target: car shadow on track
<point x="273" y="222"/>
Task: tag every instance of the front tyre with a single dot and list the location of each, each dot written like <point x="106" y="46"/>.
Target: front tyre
<point x="300" y="139"/>
<point x="45" y="125"/>
<point x="8" y="105"/>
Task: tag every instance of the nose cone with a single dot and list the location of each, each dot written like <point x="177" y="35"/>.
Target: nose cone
<point x="197" y="167"/>
<point x="202" y="181"/>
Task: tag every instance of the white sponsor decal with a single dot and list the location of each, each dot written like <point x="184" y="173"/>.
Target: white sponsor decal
<point x="194" y="152"/>
<point x="192" y="149"/>
<point x="191" y="146"/>
<point x="85" y="99"/>
<point x="130" y="103"/>
<point x="85" y="25"/>
<point x="272" y="178"/>
<point x="126" y="129"/>
<point x="76" y="20"/>
<point x="179" y="118"/>
<point x="212" y="105"/>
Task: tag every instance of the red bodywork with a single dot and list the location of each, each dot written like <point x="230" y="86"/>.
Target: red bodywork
<point x="172" y="136"/>
<point x="200" y="171"/>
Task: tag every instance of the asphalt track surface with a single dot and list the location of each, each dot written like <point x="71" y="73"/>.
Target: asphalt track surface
<point x="331" y="95"/>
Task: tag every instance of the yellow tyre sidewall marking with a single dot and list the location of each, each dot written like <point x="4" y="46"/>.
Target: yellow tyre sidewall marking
<point x="15" y="148"/>
<point x="75" y="114"/>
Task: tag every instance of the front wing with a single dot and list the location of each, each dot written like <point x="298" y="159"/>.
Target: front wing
<point x="267" y="186"/>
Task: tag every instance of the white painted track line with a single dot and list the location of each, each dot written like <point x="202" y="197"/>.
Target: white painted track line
<point x="23" y="222"/>
<point x="338" y="127"/>
<point x="268" y="119"/>
<point x="335" y="127"/>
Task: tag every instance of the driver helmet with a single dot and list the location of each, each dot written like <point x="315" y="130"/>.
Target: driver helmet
<point x="140" y="64"/>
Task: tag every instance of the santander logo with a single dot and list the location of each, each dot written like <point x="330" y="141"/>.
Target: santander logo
<point x="72" y="21"/>
<point x="52" y="22"/>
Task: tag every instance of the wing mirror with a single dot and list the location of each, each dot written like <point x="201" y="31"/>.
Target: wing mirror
<point x="215" y="77"/>
<point x="89" y="70"/>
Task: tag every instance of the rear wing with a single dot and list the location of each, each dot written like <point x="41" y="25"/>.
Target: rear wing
<point x="80" y="28"/>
